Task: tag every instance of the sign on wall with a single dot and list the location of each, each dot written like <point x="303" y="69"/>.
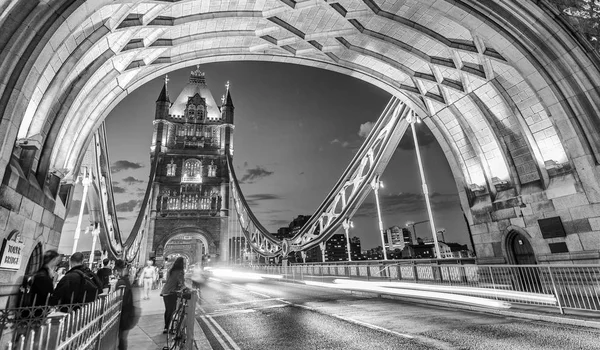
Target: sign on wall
<point x="12" y="254"/>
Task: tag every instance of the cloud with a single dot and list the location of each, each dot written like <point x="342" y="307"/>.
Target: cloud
<point x="117" y="189"/>
<point x="404" y="202"/>
<point x="121" y="165"/>
<point x="255" y="174"/>
<point x="424" y="136"/>
<point x="365" y="129"/>
<point x="255" y="199"/>
<point x="344" y="144"/>
<point x="131" y="180"/>
<point x="128" y="206"/>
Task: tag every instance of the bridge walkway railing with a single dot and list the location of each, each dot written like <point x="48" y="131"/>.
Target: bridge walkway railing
<point x="92" y="325"/>
<point x="575" y="287"/>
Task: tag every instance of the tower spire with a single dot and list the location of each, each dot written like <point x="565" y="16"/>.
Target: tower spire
<point x="164" y="93"/>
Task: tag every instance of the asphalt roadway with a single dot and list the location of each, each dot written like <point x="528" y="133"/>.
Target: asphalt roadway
<point x="275" y="315"/>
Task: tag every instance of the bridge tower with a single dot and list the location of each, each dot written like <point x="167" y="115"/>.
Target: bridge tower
<point x="191" y="138"/>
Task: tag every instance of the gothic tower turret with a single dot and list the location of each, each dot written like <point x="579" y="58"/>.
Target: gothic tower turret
<point x="192" y="136"/>
<point x="160" y="115"/>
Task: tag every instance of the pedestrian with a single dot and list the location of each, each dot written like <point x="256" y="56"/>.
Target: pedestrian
<point x="42" y="283"/>
<point x="129" y="316"/>
<point x="175" y="282"/>
<point x="148" y="277"/>
<point x="104" y="274"/>
<point x="60" y="273"/>
<point x="78" y="285"/>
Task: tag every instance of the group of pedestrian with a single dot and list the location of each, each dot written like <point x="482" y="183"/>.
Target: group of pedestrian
<point x="79" y="285"/>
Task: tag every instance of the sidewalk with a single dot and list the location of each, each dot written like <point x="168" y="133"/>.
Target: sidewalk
<point x="147" y="335"/>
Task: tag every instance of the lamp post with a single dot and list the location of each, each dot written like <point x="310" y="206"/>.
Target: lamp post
<point x="95" y="233"/>
<point x="413" y="118"/>
<point x="86" y="181"/>
<point x="376" y="185"/>
<point x="347" y="224"/>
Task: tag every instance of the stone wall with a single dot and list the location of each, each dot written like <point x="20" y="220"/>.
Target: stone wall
<point x="32" y="211"/>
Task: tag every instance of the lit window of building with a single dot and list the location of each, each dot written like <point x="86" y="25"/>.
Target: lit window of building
<point x="212" y="169"/>
<point x="192" y="171"/>
<point x="171" y="168"/>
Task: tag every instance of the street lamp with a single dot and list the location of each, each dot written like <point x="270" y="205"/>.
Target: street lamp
<point x="86" y="181"/>
<point x="347" y="224"/>
<point x="95" y="233"/>
<point x="376" y="185"/>
<point x="413" y="118"/>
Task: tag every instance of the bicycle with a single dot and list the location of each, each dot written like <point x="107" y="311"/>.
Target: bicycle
<point x="177" y="332"/>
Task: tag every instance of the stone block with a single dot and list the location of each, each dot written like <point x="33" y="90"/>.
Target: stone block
<point x="561" y="186"/>
<point x="542" y="207"/>
<point x="517" y="222"/>
<point x="15" y="222"/>
<point x="531" y="220"/>
<point x="526" y="210"/>
<point x="481" y="217"/>
<point x="565" y="215"/>
<point x="570" y="201"/>
<point x="534" y="197"/>
<point x="479" y="229"/>
<point x="10" y="199"/>
<point x="590" y="240"/>
<point x="29" y="227"/>
<point x="581" y="225"/>
<point x="27" y="207"/>
<point x="4" y="214"/>
<point x="497" y="249"/>
<point x="503" y="224"/>
<point x="504" y="214"/>
<point x="585" y="211"/>
<point x="595" y="223"/>
<point x="573" y="243"/>
<point x="38" y="210"/>
<point x="485" y="250"/>
<point x="48" y="218"/>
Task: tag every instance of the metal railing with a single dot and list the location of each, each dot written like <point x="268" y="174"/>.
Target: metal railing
<point x="92" y="325"/>
<point x="574" y="287"/>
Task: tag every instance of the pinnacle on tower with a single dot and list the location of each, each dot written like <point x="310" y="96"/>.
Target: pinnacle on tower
<point x="197" y="76"/>
<point x="164" y="93"/>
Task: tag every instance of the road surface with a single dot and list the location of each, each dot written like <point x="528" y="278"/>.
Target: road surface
<point x="277" y="315"/>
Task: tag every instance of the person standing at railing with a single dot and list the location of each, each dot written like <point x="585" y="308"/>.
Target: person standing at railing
<point x="148" y="276"/>
<point x="42" y="283"/>
<point x="129" y="316"/>
<point x="79" y="285"/>
<point x="104" y="274"/>
<point x="175" y="281"/>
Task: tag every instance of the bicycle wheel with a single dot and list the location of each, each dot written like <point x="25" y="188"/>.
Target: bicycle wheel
<point x="176" y="335"/>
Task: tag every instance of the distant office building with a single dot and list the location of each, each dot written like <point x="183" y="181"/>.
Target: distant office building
<point x="397" y="237"/>
<point x="335" y="248"/>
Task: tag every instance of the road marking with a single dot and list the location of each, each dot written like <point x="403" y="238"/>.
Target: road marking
<point x="244" y="311"/>
<point x="233" y="343"/>
<point x="251" y="301"/>
<point x="215" y="333"/>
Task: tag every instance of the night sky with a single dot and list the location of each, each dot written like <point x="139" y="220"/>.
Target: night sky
<point x="296" y="130"/>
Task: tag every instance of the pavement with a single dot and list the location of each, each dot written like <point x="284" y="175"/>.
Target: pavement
<point x="272" y="315"/>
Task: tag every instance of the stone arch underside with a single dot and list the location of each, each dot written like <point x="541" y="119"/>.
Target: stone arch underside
<point x="162" y="240"/>
<point x="507" y="88"/>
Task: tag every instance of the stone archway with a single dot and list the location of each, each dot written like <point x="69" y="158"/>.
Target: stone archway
<point x="517" y="247"/>
<point x="194" y="246"/>
<point x="507" y="88"/>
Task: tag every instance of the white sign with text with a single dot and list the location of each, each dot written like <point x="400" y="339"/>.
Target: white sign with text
<point x="12" y="254"/>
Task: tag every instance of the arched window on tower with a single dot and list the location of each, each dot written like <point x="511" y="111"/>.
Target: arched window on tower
<point x="171" y="168"/>
<point x="192" y="171"/>
<point x="212" y="169"/>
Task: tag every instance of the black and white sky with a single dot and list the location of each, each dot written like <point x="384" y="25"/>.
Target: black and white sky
<point x="296" y="130"/>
